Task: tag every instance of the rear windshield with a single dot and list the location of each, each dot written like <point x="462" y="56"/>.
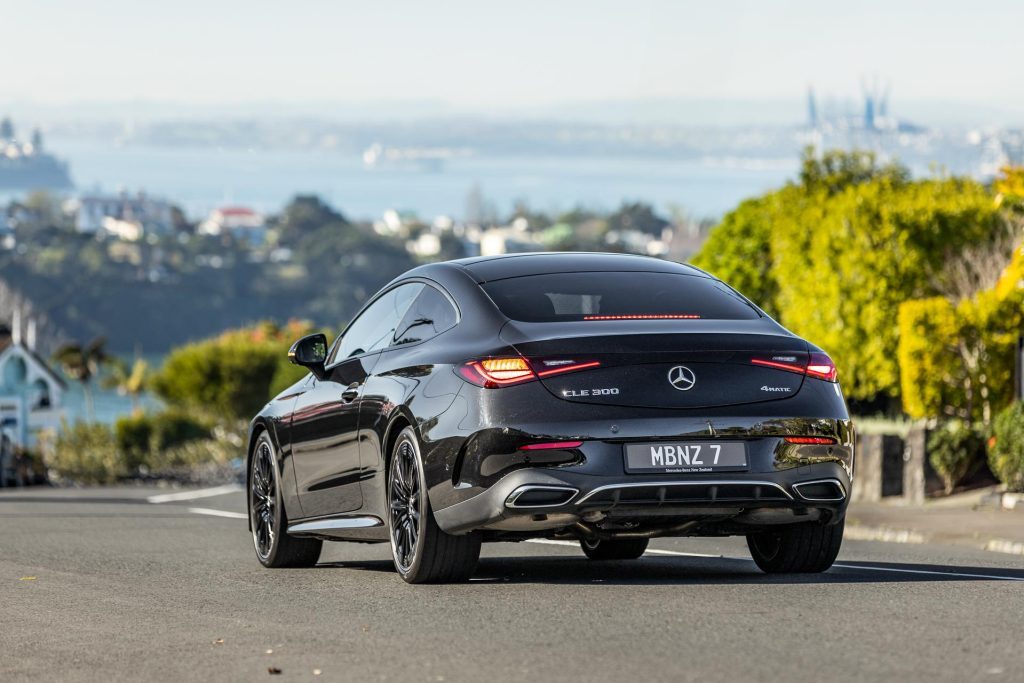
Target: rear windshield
<point x="558" y="297"/>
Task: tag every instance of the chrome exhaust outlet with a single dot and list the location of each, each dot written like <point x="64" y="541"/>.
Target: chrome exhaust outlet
<point x="821" y="491"/>
<point x="537" y="496"/>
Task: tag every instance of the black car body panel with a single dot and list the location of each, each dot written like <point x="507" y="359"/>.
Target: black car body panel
<point x="334" y="434"/>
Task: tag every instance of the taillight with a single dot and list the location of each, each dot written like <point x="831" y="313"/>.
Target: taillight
<point x="822" y="367"/>
<point x="817" y="365"/>
<point x="497" y="372"/>
<point x="492" y="373"/>
<point x="810" y="440"/>
<point x="557" y="367"/>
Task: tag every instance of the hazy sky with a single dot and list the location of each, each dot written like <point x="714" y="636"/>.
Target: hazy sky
<point x="485" y="55"/>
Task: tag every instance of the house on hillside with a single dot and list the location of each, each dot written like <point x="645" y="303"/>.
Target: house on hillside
<point x="123" y="216"/>
<point x="510" y="239"/>
<point x="242" y="223"/>
<point x="31" y="392"/>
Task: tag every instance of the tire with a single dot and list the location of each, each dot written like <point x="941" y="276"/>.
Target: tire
<point x="421" y="551"/>
<point x="267" y="517"/>
<point x="616" y="549"/>
<point x="797" y="549"/>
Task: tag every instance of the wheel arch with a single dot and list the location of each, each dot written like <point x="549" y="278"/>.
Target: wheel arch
<point x="403" y="418"/>
<point x="257" y="428"/>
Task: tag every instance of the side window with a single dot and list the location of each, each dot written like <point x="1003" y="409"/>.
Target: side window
<point x="430" y="315"/>
<point x="375" y="327"/>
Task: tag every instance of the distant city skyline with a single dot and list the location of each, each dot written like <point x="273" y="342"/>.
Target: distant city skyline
<point x="585" y="59"/>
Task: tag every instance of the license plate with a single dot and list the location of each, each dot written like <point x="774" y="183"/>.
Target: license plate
<point x="686" y="456"/>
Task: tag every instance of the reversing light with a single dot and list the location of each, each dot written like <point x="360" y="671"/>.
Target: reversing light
<point x="822" y="367"/>
<point x="550" y="445"/>
<point x="811" y="440"/>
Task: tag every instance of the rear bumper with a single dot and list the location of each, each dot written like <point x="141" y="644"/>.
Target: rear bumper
<point x="541" y="499"/>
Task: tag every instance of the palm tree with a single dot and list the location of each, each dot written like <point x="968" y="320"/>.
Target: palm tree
<point x="83" y="363"/>
<point x="129" y="380"/>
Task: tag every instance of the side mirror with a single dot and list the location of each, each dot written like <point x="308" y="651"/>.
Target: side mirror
<point x="310" y="352"/>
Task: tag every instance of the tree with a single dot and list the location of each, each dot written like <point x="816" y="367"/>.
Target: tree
<point x="956" y="354"/>
<point x="838" y="169"/>
<point x="834" y="256"/>
<point x="305" y="215"/>
<point x="1009" y="186"/>
<point x="844" y="263"/>
<point x="129" y="380"/>
<point x="637" y="216"/>
<point x="82" y="363"/>
<point x="739" y="250"/>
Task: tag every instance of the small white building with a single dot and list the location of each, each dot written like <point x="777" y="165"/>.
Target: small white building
<point x="31" y="392"/>
<point x="242" y="223"/>
<point x="124" y="216"/>
<point x="509" y="239"/>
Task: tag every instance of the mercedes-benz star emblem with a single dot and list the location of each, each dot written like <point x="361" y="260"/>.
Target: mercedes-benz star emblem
<point x="681" y="378"/>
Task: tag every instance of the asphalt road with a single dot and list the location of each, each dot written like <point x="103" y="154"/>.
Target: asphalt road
<point x="105" y="585"/>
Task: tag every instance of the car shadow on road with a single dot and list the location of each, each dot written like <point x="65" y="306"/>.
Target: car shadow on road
<point x="696" y="570"/>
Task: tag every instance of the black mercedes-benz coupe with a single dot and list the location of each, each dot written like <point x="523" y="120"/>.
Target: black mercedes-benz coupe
<point x="604" y="398"/>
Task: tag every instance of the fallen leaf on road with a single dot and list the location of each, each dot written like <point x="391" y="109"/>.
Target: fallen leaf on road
<point x="27" y="578"/>
<point x="273" y="670"/>
<point x="269" y="652"/>
<point x="219" y="641"/>
<point x="317" y="672"/>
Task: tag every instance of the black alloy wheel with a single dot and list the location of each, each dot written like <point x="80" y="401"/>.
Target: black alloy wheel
<point x="405" y="507"/>
<point x="267" y="518"/>
<point x="421" y="551"/>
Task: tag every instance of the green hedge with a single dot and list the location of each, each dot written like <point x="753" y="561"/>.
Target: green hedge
<point x="140" y="436"/>
<point x="1006" y="452"/>
<point x="956" y="451"/>
<point x="87" y="452"/>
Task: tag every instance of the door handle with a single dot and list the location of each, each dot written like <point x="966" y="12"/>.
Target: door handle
<point x="351" y="392"/>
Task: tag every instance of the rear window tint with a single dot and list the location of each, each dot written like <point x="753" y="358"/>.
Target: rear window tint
<point x="558" y="297"/>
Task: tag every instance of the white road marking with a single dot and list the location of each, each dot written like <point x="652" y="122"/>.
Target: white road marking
<point x="193" y="495"/>
<point x="218" y="513"/>
<point x="658" y="551"/>
<point x="931" y="573"/>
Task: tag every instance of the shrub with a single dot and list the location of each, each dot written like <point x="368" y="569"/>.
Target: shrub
<point x="196" y="453"/>
<point x="232" y="376"/>
<point x="132" y="435"/>
<point x="928" y="358"/>
<point x="141" y="438"/>
<point x="87" y="452"/>
<point x="1006" y="452"/>
<point x="956" y="451"/>
<point x="228" y="379"/>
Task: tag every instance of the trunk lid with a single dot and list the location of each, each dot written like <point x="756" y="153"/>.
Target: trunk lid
<point x="662" y="364"/>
